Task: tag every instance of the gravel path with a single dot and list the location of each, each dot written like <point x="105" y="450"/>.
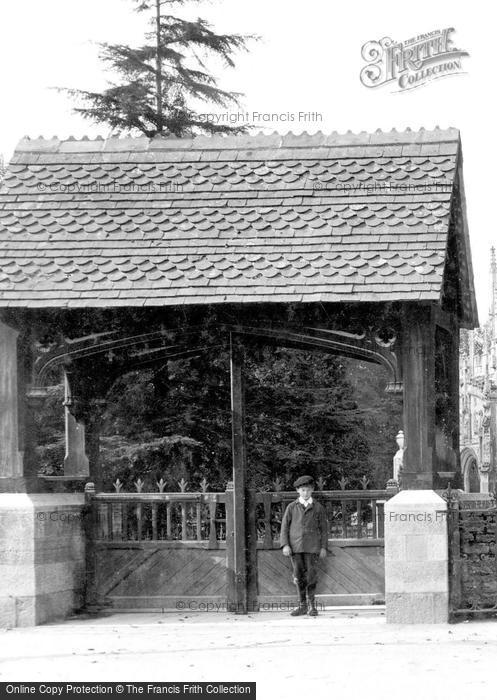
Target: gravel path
<point x="338" y="652"/>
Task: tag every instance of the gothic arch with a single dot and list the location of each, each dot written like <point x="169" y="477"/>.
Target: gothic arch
<point x="470" y="470"/>
<point x="120" y="352"/>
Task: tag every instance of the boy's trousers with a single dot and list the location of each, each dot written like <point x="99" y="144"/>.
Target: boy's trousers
<point x="305" y="573"/>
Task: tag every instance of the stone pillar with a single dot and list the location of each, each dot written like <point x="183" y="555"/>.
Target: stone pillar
<point x="11" y="458"/>
<point x="484" y="482"/>
<point x="75" y="460"/>
<point x="42" y="565"/>
<point x="492" y="433"/>
<point x="42" y="557"/>
<point x="416" y="558"/>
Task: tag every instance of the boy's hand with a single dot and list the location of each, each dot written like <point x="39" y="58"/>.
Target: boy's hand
<point x="323" y="553"/>
<point x="287" y="550"/>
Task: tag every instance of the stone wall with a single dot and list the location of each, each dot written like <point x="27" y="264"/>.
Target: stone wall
<point x="478" y="549"/>
<point x="42" y="557"/>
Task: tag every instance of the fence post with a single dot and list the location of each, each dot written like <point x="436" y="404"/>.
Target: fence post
<point x="90" y="528"/>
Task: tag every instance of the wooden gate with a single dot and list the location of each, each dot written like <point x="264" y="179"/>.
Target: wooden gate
<point x="157" y="551"/>
<point x="163" y="551"/>
<point x="353" y="572"/>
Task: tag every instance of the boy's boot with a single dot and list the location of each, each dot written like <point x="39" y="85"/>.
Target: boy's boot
<point x="312" y="609"/>
<point x="302" y="607"/>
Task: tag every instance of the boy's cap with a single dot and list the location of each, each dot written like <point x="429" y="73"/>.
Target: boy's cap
<point x="305" y="480"/>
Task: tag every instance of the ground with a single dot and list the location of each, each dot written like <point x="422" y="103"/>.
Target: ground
<point x="351" y="653"/>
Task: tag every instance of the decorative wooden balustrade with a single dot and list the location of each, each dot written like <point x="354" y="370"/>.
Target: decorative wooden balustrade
<point x="203" y="518"/>
<point x="168" y="518"/>
<point x="357" y="514"/>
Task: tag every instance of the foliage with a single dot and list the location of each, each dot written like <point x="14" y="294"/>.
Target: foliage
<point x="302" y="417"/>
<point x="305" y="412"/>
<point x="149" y="460"/>
<point x="162" y="81"/>
<point x="49" y="426"/>
<point x="380" y="413"/>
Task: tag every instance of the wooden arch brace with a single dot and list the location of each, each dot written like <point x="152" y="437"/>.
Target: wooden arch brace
<point x="121" y="353"/>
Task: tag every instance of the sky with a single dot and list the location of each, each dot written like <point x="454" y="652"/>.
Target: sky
<point x="308" y="59"/>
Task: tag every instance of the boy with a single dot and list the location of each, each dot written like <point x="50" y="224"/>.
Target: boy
<point x="304" y="538"/>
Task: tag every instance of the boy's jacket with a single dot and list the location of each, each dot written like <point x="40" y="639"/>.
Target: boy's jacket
<point x="304" y="529"/>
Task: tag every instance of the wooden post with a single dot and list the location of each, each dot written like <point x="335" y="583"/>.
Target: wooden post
<point x="418" y="365"/>
<point x="75" y="459"/>
<point x="447" y="456"/>
<point x="454" y="389"/>
<point x="231" y="599"/>
<point x="239" y="476"/>
<point x="90" y="528"/>
<point x="252" y="587"/>
<point x="92" y="419"/>
<point x="453" y="459"/>
<point x="11" y="464"/>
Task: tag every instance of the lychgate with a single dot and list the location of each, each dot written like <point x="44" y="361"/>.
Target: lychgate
<point x="352" y="244"/>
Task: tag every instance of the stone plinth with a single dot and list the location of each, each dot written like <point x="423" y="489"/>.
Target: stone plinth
<point x="416" y="558"/>
<point x="42" y="557"/>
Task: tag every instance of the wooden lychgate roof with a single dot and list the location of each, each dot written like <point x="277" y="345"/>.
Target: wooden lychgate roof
<point x="295" y="218"/>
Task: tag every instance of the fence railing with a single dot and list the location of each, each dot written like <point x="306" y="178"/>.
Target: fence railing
<point x="201" y="518"/>
<point x="357" y="514"/>
<point x="161" y="517"/>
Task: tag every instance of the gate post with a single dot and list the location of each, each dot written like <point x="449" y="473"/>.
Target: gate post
<point x="239" y="477"/>
<point x="90" y="523"/>
<point x="252" y="585"/>
<point x="416" y="558"/>
<point x="231" y="601"/>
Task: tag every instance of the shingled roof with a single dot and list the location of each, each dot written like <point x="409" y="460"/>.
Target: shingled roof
<point x="126" y="222"/>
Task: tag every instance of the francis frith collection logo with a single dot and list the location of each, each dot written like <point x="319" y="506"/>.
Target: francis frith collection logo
<point x="412" y="63"/>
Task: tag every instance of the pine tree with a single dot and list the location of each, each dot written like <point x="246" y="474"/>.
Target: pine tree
<point x="163" y="80"/>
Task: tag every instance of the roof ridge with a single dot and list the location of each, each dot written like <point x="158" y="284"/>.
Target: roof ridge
<point x="236" y="142"/>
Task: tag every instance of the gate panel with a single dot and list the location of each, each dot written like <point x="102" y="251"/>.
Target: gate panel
<point x="157" y="551"/>
<point x="353" y="572"/>
<point x="161" y="578"/>
<point x="349" y="575"/>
